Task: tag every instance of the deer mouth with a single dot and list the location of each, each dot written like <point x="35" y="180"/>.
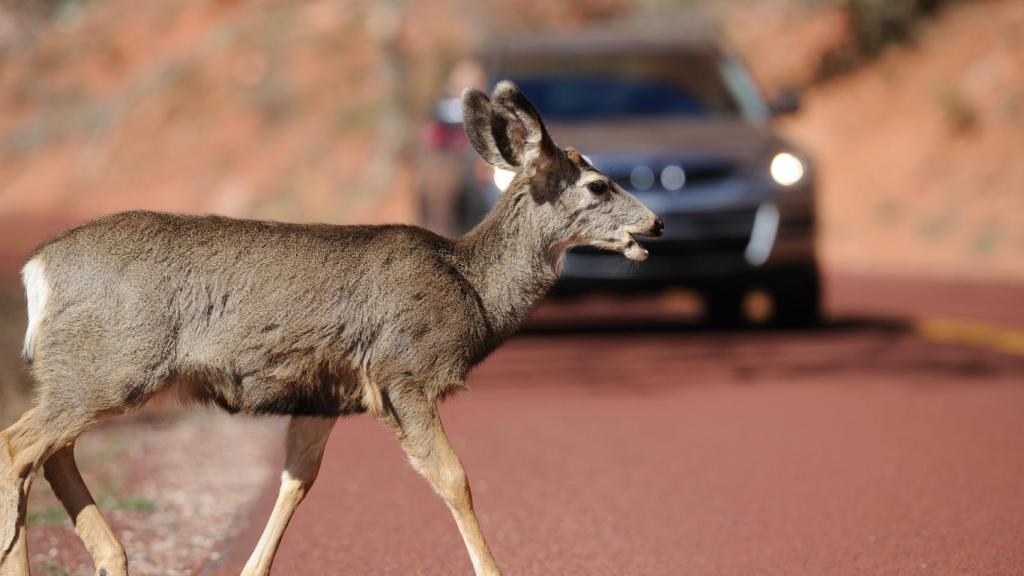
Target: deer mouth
<point x="626" y="245"/>
<point x="633" y="250"/>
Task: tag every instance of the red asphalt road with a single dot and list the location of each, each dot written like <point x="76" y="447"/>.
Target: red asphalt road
<point x="854" y="449"/>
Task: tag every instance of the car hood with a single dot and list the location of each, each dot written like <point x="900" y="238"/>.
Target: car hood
<point x="736" y="140"/>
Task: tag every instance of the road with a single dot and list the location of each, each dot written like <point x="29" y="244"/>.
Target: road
<point x="865" y="447"/>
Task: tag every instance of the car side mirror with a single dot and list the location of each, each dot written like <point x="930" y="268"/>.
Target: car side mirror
<point x="786" y="102"/>
<point x="448" y="111"/>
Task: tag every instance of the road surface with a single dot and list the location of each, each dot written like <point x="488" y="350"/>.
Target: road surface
<point x="865" y="447"/>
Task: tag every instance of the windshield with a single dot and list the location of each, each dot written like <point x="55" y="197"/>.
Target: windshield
<point x="579" y="88"/>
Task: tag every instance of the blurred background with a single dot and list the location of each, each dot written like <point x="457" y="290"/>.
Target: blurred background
<point x="869" y="154"/>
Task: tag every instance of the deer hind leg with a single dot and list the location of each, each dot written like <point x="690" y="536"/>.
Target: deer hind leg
<point x="307" y="436"/>
<point x="106" y="551"/>
<point x="24" y="447"/>
<point x="415" y="422"/>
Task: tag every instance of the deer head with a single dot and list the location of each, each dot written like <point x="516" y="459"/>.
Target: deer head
<point x="574" y="202"/>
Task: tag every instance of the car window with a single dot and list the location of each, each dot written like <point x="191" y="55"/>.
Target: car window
<point x="577" y="88"/>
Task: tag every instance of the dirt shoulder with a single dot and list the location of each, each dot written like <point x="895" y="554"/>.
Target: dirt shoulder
<point x="173" y="484"/>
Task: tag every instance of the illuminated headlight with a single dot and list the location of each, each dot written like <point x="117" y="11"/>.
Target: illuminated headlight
<point x="786" y="169"/>
<point x="502" y="178"/>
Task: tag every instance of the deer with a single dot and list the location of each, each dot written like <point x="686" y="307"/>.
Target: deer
<point x="309" y="321"/>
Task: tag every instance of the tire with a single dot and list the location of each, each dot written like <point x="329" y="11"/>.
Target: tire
<point x="723" y="307"/>
<point x="798" y="298"/>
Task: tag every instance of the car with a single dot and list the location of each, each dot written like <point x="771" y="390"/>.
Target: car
<point x="677" y="120"/>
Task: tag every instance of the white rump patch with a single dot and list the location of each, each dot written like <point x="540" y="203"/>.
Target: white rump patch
<point x="36" y="291"/>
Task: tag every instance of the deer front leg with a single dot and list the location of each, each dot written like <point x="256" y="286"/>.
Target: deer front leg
<point x="307" y="437"/>
<point x="414" y="420"/>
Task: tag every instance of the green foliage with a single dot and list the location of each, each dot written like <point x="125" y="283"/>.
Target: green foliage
<point x="960" y="115"/>
<point x="135" y="503"/>
<point x="53" y="568"/>
<point x="987" y="240"/>
<point x="879" y="23"/>
<point x="876" y="25"/>
<point x="48" y="515"/>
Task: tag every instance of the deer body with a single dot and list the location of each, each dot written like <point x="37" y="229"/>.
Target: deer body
<point x="310" y="321"/>
<point x="261" y="317"/>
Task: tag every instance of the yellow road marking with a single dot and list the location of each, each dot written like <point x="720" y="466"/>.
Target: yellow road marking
<point x="972" y="333"/>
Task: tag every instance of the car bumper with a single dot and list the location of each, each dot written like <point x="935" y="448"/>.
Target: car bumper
<point x="703" y="248"/>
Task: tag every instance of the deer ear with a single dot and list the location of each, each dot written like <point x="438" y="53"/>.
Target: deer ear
<point x="478" y="117"/>
<point x="517" y="129"/>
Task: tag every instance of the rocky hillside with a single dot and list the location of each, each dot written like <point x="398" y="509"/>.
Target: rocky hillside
<point x="261" y="108"/>
<point x="921" y="150"/>
<point x="270" y="108"/>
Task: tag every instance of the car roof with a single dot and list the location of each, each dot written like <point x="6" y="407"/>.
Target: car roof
<point x="692" y="35"/>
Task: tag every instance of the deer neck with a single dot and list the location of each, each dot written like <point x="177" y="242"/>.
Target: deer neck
<point x="512" y="260"/>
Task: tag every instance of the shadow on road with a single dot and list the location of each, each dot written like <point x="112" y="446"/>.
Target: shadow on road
<point x="627" y="325"/>
<point x="650" y="352"/>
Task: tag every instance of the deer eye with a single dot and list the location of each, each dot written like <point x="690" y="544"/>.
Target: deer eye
<point x="598" y="187"/>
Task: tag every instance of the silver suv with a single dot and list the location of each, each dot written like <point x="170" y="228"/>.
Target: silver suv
<point x="678" y="122"/>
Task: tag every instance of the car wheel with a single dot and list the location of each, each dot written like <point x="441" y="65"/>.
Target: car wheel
<point x="798" y="298"/>
<point x="723" y="307"/>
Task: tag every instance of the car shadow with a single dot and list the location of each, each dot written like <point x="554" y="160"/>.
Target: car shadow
<point x="628" y="325"/>
<point x="652" y="353"/>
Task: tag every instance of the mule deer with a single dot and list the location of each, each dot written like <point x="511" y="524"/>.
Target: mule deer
<point x="310" y="321"/>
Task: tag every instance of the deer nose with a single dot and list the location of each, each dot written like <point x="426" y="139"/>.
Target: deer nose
<point x="658" y="228"/>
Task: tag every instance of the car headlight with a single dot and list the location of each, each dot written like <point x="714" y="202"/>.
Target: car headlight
<point x="786" y="169"/>
<point x="502" y="178"/>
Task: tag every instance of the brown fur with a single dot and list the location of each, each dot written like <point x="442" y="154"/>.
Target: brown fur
<point x="256" y="317"/>
<point x="300" y="320"/>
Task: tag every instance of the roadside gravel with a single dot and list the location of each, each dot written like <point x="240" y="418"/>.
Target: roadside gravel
<point x="173" y="483"/>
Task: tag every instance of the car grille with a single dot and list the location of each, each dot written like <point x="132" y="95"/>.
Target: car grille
<point x="718" y="224"/>
<point x="697" y="174"/>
